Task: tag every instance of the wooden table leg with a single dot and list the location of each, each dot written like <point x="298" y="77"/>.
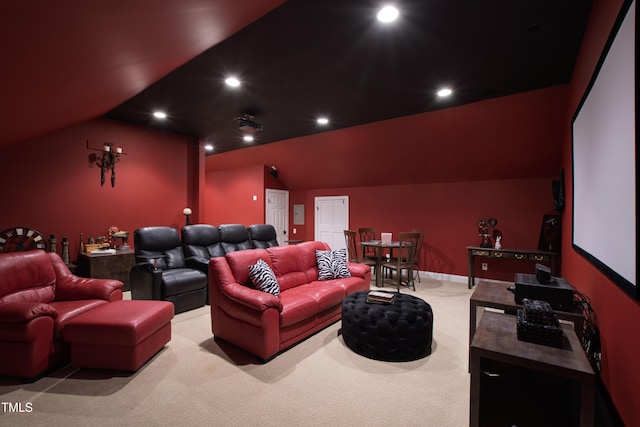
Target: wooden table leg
<point x="379" y="267"/>
<point x="473" y="313"/>
<point x="474" y="404"/>
<point x="472" y="267"/>
<point x="587" y="401"/>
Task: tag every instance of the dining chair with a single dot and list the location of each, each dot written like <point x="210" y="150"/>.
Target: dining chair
<point x="366" y="234"/>
<point x="416" y="263"/>
<point x="405" y="259"/>
<point x="352" y="249"/>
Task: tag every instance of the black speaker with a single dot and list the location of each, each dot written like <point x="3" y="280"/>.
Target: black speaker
<point x="550" y="233"/>
<point x="543" y="274"/>
<point x="557" y="188"/>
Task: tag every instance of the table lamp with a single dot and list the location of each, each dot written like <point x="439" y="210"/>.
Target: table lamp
<point x="187" y="212"/>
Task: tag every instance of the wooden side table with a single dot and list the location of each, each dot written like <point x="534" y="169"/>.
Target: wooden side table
<point x="496" y="295"/>
<point x="107" y="266"/>
<point x="496" y="344"/>
<point x="543" y="257"/>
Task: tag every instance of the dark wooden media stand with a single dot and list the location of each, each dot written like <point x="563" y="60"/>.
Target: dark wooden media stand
<point x="515" y="382"/>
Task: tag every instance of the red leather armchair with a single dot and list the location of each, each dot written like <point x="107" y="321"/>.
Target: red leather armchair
<point x="38" y="296"/>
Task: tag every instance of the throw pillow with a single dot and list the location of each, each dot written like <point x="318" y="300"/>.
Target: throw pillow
<point x="332" y="264"/>
<point x="263" y="278"/>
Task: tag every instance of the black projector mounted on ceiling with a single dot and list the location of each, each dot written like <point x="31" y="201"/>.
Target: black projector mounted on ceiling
<point x="246" y="124"/>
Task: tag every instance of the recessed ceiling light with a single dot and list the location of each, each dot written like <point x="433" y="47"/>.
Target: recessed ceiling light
<point x="444" y="92"/>
<point x="388" y="14"/>
<point x="159" y="114"/>
<point x="323" y="121"/>
<point x="232" y="81"/>
<point x="208" y="147"/>
<point x="248" y="138"/>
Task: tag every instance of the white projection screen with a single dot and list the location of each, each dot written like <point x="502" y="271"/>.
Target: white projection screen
<point x="604" y="160"/>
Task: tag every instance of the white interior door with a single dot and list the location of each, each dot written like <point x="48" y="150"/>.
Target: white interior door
<point x="331" y="219"/>
<point x="277" y="212"/>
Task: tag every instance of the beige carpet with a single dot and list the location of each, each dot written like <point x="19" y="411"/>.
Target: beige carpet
<point x="196" y="381"/>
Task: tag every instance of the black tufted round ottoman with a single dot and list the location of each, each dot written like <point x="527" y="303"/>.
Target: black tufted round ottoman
<point x="396" y="332"/>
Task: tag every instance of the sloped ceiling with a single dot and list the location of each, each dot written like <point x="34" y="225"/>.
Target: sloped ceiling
<point x="64" y="62"/>
<point x="506" y="138"/>
<point x="67" y="62"/>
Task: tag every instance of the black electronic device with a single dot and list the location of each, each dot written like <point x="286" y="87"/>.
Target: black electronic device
<point x="557" y="292"/>
<point x="246" y="124"/>
<point x="543" y="274"/>
<point x="538" y="323"/>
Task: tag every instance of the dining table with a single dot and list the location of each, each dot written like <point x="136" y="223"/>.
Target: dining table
<point x="379" y="247"/>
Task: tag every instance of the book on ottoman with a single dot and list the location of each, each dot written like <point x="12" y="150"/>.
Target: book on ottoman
<point x="380" y="297"/>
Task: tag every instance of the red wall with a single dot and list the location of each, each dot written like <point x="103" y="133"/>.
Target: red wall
<point x="519" y="206"/>
<point x="448" y="212"/>
<point x="618" y="314"/>
<point x="511" y="137"/>
<point x="229" y="196"/>
<point x="49" y="184"/>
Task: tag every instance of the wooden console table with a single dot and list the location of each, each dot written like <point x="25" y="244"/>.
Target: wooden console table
<point x="495" y="346"/>
<point x="543" y="257"/>
<point x="107" y="266"/>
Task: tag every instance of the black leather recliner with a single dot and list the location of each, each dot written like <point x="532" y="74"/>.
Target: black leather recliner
<point x="262" y="235"/>
<point x="161" y="272"/>
<point x="201" y="242"/>
<point x="234" y="237"/>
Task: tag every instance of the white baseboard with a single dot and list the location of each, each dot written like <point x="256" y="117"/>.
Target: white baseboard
<point x="434" y="275"/>
<point x="454" y="277"/>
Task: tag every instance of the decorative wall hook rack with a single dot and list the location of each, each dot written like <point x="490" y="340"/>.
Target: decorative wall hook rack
<point x="108" y="158"/>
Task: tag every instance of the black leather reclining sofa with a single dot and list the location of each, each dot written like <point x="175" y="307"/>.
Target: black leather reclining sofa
<point x="175" y="269"/>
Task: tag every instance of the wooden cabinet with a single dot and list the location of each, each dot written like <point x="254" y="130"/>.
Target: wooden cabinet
<point x="107" y="266"/>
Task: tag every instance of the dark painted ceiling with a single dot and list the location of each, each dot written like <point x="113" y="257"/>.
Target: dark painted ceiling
<point x="308" y="58"/>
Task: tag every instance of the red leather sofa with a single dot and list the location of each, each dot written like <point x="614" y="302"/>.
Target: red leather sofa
<point x="38" y="296"/>
<point x="264" y="324"/>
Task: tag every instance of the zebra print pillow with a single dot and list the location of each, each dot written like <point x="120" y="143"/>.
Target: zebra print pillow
<point x="263" y="278"/>
<point x="332" y="264"/>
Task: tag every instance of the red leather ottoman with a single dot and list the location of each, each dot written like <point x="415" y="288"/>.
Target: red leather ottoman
<point x="120" y="335"/>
